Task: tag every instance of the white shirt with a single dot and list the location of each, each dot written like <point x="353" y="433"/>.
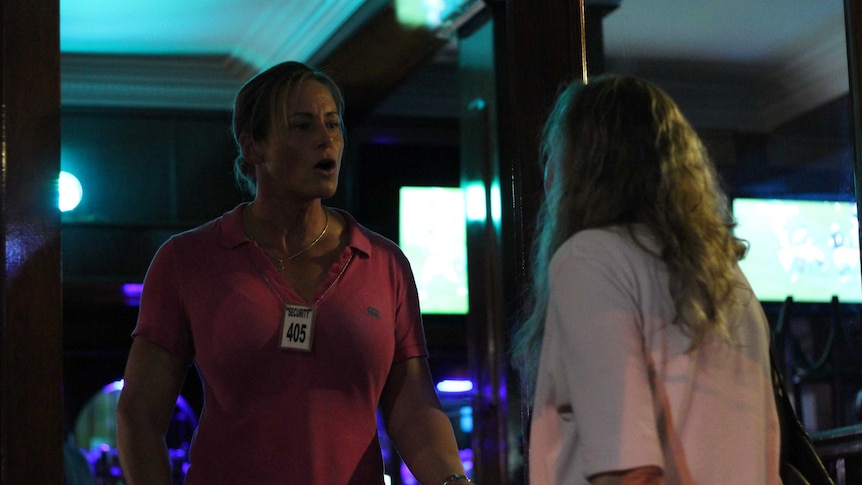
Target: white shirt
<point x="617" y="390"/>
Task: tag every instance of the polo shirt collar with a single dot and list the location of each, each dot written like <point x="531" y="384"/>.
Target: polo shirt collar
<point x="233" y="234"/>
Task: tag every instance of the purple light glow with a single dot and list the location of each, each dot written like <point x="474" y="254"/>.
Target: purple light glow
<point x="114" y="386"/>
<point x="384" y="139"/>
<point x="132" y="290"/>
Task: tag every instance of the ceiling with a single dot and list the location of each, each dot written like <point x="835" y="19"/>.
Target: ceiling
<point x="746" y="63"/>
<point x="257" y="32"/>
<point x="751" y="64"/>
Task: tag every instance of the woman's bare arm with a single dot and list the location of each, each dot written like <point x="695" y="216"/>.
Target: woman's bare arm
<point x="417" y="424"/>
<point x="153" y="380"/>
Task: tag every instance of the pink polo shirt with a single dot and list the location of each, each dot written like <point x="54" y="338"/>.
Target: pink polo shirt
<point x="275" y="416"/>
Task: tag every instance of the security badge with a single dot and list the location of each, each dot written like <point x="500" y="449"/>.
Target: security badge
<point x="297" y="332"/>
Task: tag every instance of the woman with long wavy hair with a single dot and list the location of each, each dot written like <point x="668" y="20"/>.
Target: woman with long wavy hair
<point x="644" y="353"/>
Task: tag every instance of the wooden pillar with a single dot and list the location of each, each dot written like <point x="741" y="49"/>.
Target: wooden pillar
<point x="31" y="353"/>
<point x="545" y="50"/>
<point x="538" y="46"/>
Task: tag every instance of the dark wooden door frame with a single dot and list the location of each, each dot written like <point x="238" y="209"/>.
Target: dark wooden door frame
<point x="31" y="343"/>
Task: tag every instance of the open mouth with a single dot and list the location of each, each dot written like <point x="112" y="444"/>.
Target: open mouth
<point x="325" y="164"/>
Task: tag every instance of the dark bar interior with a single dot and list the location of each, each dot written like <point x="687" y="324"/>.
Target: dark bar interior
<point x="456" y="105"/>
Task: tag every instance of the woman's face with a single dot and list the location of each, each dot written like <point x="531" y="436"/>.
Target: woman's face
<point x="302" y="159"/>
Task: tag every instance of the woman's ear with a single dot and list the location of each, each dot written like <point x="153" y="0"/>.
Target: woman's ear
<point x="249" y="148"/>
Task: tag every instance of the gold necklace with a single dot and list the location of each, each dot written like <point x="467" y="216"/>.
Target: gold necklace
<point x="279" y="263"/>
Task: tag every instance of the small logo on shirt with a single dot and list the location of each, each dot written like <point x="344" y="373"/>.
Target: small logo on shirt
<point x="373" y="312"/>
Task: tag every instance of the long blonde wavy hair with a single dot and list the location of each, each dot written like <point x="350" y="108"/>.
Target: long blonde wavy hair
<point x="622" y="153"/>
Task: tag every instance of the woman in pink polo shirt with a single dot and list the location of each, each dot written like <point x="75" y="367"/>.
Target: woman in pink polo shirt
<point x="645" y="352"/>
<point x="300" y="322"/>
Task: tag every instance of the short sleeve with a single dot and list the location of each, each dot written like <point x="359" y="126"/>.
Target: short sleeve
<point x="594" y="312"/>
<point x="409" y="329"/>
<point x="162" y="317"/>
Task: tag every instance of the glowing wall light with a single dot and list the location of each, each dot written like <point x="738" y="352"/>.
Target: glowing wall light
<point x="475" y="200"/>
<point x="465" y="418"/>
<point x="132" y="292"/>
<point x="71" y="191"/>
<point x="455" y="385"/>
<point x="496" y="204"/>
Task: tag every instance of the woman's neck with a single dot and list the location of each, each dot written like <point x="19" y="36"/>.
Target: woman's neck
<point x="287" y="230"/>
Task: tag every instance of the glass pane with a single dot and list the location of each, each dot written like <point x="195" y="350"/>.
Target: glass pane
<point x="765" y="84"/>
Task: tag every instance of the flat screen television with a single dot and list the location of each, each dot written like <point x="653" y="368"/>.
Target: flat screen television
<point x="432" y="232"/>
<point x="804" y="249"/>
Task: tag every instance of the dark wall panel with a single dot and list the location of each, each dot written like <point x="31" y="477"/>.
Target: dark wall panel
<point x="146" y="175"/>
